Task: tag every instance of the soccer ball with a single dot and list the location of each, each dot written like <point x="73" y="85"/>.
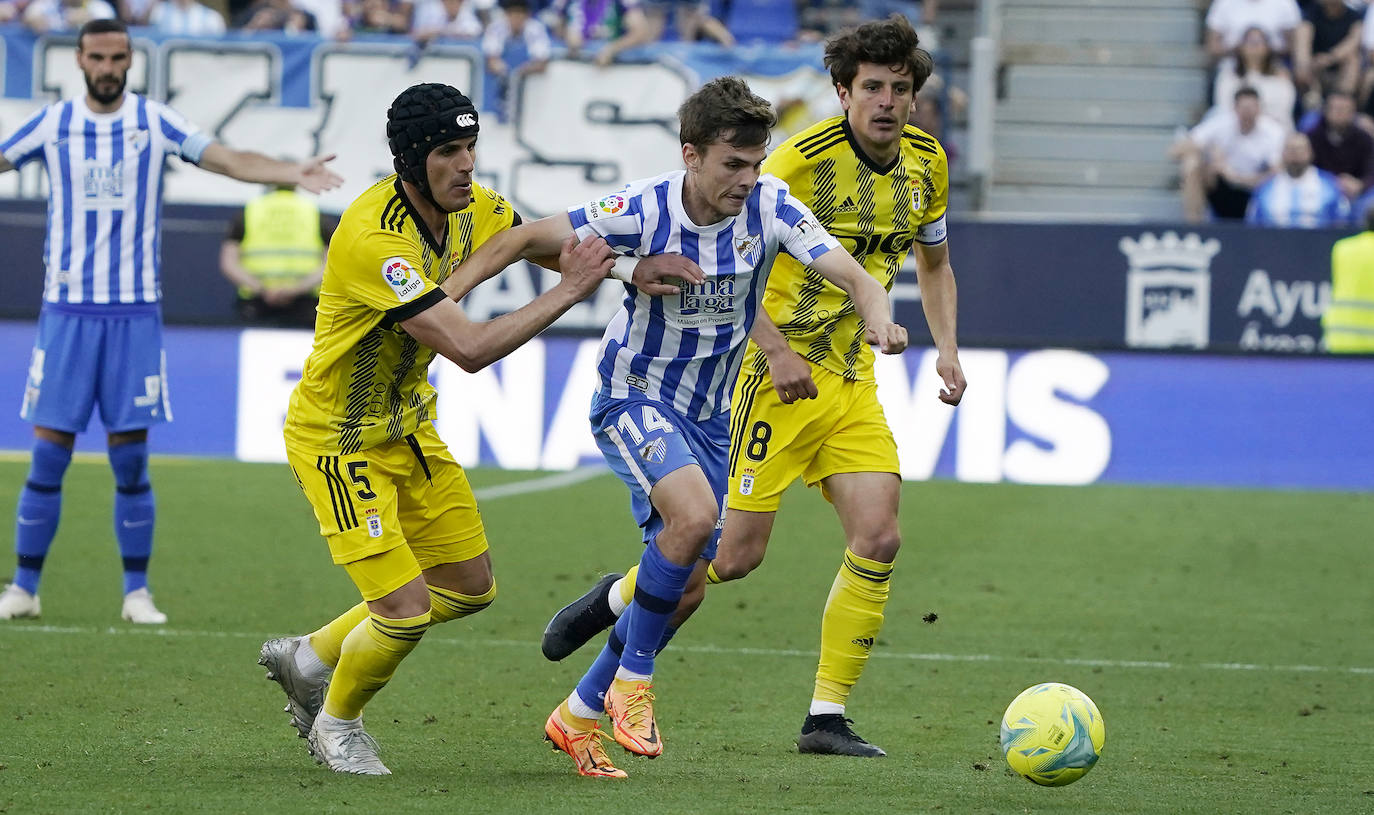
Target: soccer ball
<point x="1052" y="734"/>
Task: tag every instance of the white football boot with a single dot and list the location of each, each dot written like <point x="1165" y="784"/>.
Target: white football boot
<point x="16" y="602"/>
<point x="139" y="608"/>
<point x="347" y="749"/>
<point x="304" y="695"/>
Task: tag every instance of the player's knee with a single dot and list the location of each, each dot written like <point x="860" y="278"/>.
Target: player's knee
<point x="692" y="527"/>
<point x="881" y="546"/>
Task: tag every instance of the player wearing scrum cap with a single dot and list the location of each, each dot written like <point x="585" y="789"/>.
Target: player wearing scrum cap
<point x="396" y="509"/>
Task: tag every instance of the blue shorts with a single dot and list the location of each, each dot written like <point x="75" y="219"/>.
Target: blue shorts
<point x="106" y="355"/>
<point x="643" y="440"/>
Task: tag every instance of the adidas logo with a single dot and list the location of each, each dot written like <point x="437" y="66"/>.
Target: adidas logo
<point x="865" y="642"/>
<point x="847" y="205"/>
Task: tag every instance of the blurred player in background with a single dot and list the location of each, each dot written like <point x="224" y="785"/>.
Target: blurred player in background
<point x="395" y="507"/>
<point x="668" y="363"/>
<point x="100" y="328"/>
<point x="806" y="404"/>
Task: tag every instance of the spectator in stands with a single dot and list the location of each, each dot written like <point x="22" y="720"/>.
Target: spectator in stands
<point x="1326" y="50"/>
<point x="329" y="17"/>
<point x="917" y="11"/>
<point x="692" y="18"/>
<point x="1254" y="64"/>
<point x="1228" y="20"/>
<point x="449" y="19"/>
<point x="620" y="24"/>
<point x="274" y="15"/>
<point x="379" y="17"/>
<point x="515" y="43"/>
<point x="1341" y="148"/>
<point x="819" y="19"/>
<point x="134" y="12"/>
<point x="43" y="16"/>
<point x="186" y="18"/>
<point x="1301" y="195"/>
<point x="1226" y="156"/>
<point x="274" y="253"/>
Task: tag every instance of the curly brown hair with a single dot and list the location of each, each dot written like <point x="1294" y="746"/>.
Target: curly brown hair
<point x="725" y="110"/>
<point x="891" y="42"/>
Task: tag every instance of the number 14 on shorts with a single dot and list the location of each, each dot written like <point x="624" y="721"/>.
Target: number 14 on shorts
<point x="650" y="420"/>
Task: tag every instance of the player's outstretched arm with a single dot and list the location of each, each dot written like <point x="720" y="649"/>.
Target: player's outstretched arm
<point x="245" y="165"/>
<point x="473" y="346"/>
<point x="940" y="300"/>
<point x="534" y="240"/>
<point x="870" y="298"/>
<point x="791" y="373"/>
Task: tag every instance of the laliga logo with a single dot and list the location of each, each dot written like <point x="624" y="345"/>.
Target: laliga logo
<point x="611" y="204"/>
<point x="397" y="272"/>
<point x="1168" y="290"/>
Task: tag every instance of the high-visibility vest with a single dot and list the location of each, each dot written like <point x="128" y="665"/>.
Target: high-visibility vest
<point x="1348" y="323"/>
<point x="281" y="239"/>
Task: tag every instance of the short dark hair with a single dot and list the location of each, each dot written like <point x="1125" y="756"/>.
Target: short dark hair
<point x="891" y="42"/>
<point x="100" y="27"/>
<point x="1246" y="90"/>
<point x="724" y="109"/>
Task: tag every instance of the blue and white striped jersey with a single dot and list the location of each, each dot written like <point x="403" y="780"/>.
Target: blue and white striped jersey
<point x="685" y="350"/>
<point x="105" y="194"/>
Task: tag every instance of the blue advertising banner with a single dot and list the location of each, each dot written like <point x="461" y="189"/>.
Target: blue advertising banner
<point x="1043" y="417"/>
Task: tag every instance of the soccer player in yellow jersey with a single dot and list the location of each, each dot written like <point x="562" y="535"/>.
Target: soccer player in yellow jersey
<point x="394" y="506"/>
<point x="805" y="404"/>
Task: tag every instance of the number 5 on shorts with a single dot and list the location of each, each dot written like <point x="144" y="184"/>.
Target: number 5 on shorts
<point x="355" y="474"/>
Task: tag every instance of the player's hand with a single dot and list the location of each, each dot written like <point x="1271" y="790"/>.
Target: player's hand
<point x="585" y="264"/>
<point x="792" y="376"/>
<point x="659" y="275"/>
<point x="316" y="177"/>
<point x="953" y="376"/>
<point x="889" y="337"/>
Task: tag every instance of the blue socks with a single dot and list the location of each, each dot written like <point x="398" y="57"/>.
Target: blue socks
<point x="134" y="511"/>
<point x="40" y="507"/>
<point x="643" y="630"/>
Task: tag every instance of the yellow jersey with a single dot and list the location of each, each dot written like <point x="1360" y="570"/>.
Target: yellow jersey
<point x="875" y="212"/>
<point x="366" y="381"/>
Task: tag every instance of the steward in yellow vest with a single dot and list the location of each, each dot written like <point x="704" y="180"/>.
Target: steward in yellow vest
<point x="1348" y="324"/>
<point x="274" y="254"/>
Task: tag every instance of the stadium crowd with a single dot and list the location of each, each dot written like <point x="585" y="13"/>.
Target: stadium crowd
<point x="1289" y="139"/>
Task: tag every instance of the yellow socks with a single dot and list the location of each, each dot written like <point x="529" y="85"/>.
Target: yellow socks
<point x="328" y="641"/>
<point x="368" y="659"/>
<point x="446" y="604"/>
<point x="853" y="616"/>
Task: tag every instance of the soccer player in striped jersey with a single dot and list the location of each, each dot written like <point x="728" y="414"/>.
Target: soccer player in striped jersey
<point x="100" y="328"/>
<point x="395" y="507"/>
<point x="668" y="364"/>
<point x="806" y="404"/>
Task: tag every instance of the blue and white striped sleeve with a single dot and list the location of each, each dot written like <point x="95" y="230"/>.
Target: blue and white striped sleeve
<point x="803" y="237"/>
<point x="26" y="143"/>
<point x="183" y="138"/>
<point x="617" y="217"/>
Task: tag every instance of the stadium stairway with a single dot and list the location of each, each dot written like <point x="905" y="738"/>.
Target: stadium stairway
<point x="1091" y="94"/>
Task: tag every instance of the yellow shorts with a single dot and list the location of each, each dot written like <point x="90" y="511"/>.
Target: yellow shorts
<point x="843" y="430"/>
<point x="408" y="499"/>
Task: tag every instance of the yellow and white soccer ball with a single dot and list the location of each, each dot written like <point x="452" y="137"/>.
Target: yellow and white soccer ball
<point x="1052" y="734"/>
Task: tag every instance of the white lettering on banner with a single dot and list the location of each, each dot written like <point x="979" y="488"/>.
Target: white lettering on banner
<point x="269" y="367"/>
<point x="1278" y="303"/>
<point x="502" y="409"/>
<point x="507" y="411"/>
<point x="924" y="421"/>
<point x="569" y="441"/>
<point x="1075" y="441"/>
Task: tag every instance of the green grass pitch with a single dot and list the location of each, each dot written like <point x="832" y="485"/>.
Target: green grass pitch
<point x="1225" y="635"/>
